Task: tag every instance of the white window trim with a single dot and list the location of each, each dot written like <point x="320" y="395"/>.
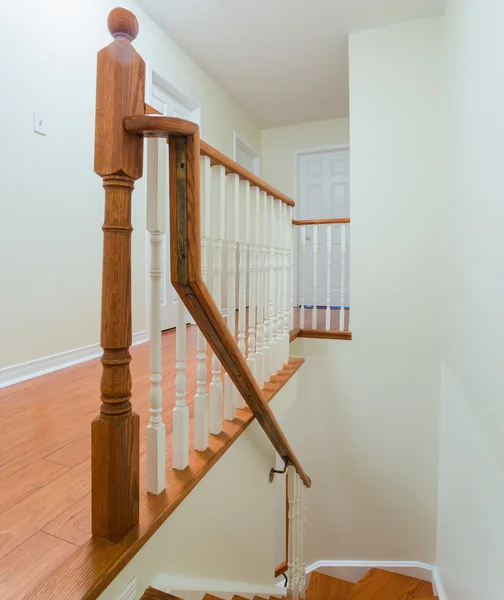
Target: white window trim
<point x="239" y="141"/>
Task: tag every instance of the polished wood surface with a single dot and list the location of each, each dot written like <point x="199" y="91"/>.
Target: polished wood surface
<point x="327" y="587"/>
<point x="45" y="474"/>
<point x="118" y="160"/>
<point x="378" y="584"/>
<point x="321" y="222"/>
<point x="217" y="158"/>
<point x="159" y="126"/>
<point x="320" y="332"/>
<point x="62" y="508"/>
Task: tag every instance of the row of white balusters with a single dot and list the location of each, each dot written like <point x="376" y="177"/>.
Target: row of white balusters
<point x="235" y="218"/>
<point x="296" y="564"/>
<point x="303" y="269"/>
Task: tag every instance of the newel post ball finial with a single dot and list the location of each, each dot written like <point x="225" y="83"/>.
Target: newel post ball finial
<point x="122" y="23"/>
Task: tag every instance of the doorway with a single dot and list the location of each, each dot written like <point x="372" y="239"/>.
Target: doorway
<point x="323" y="192"/>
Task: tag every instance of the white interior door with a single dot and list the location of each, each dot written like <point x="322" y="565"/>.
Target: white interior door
<point x="167" y="104"/>
<point x="324" y="193"/>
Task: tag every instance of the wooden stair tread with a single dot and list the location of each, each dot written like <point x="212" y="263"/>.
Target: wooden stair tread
<point x="210" y="597"/>
<point x="384" y="585"/>
<point x="154" y="594"/>
<point x="327" y="587"/>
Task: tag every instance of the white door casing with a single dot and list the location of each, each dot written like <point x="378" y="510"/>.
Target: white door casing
<point x="323" y="192"/>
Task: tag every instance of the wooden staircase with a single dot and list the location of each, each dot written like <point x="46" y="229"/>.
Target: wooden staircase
<point x="375" y="585"/>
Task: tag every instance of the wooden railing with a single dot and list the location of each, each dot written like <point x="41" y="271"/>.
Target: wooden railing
<point x="121" y="125"/>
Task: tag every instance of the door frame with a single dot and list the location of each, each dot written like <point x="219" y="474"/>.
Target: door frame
<point x="154" y="77"/>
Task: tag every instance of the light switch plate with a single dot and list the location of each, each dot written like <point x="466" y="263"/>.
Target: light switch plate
<point x="39" y="123"/>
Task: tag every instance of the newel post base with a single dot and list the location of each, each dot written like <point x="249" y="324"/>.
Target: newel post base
<point x="115" y="476"/>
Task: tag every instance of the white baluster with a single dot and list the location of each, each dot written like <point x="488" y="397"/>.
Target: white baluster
<point x="156" y="220"/>
<point x="342" y="297"/>
<point x="302" y="239"/>
<point x="303" y="525"/>
<point x="267" y="350"/>
<point x="315" y="273"/>
<point x="279" y="285"/>
<point x="243" y="216"/>
<point x="328" y="299"/>
<point x="217" y="216"/>
<point x="231" y="394"/>
<point x="261" y="219"/>
<point x="180" y="437"/>
<point x="252" y="238"/>
<point x="201" y="396"/>
<point x="291" y="574"/>
<point x="295" y="583"/>
<point x="301" y="576"/>
<point x="292" y="233"/>
<point x="286" y="281"/>
<point x="274" y="288"/>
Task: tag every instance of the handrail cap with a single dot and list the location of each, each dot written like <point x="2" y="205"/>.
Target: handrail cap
<point x="122" y="23"/>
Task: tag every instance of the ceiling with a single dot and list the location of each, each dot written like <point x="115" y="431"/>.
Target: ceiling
<point x="282" y="61"/>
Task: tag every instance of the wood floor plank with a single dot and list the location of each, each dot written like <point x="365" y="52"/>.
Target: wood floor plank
<point x="73" y="453"/>
<point x="35" y="476"/>
<point x="73" y="525"/>
<point x="30" y="563"/>
<point x="24" y="519"/>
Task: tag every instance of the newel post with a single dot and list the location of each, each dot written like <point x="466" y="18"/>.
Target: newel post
<point x="118" y="160"/>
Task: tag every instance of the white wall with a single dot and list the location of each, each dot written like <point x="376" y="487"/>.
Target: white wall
<point x="52" y="202"/>
<point x="471" y="489"/>
<point x="279" y="145"/>
<point x="368" y="429"/>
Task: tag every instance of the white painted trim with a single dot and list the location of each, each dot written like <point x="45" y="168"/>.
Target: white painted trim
<point x="355" y="569"/>
<point x="239" y="141"/>
<point x="55" y="362"/>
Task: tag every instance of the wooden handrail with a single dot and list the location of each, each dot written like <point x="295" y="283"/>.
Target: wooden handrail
<point x="217" y="158"/>
<point x="321" y="222"/>
<point x="185" y="265"/>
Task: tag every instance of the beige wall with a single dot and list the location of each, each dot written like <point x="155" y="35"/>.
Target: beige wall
<point x="368" y="430"/>
<point x="52" y="202"/>
<point x="471" y="491"/>
<point x="279" y="145"/>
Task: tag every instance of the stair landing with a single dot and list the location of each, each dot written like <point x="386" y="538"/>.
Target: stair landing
<point x="45" y="473"/>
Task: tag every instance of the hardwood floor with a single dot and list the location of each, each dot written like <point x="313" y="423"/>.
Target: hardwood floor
<point x="45" y="470"/>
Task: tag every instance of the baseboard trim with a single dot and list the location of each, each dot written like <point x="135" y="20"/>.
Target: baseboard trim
<point x="55" y="362"/>
<point x="353" y="570"/>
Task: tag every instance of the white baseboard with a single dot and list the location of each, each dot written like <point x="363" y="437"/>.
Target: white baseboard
<point x="353" y="570"/>
<point x="48" y="364"/>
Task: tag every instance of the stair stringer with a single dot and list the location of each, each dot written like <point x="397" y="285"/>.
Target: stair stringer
<point x="225" y="527"/>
